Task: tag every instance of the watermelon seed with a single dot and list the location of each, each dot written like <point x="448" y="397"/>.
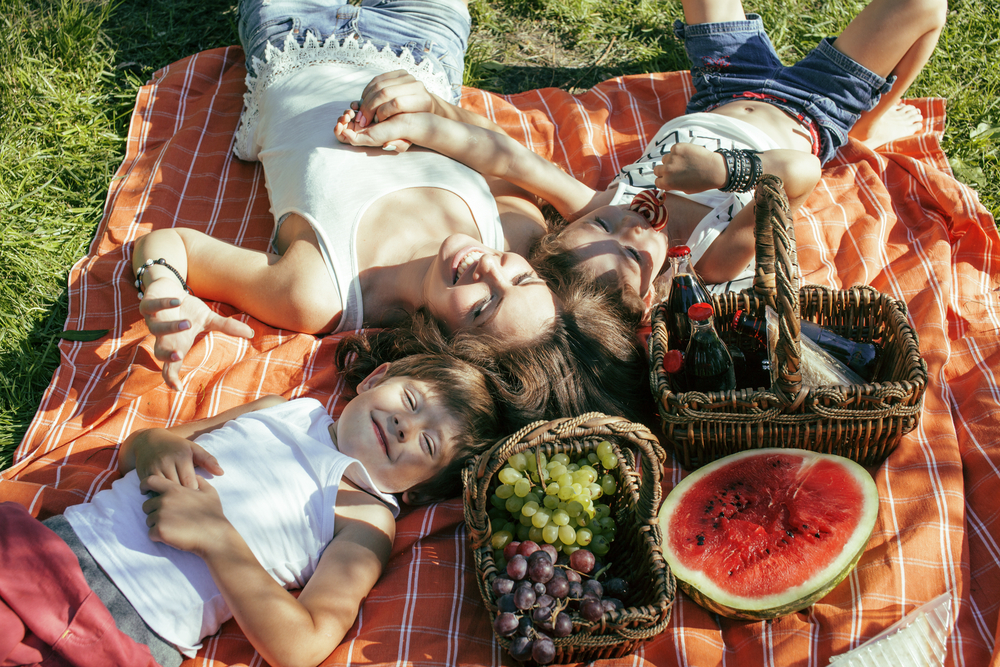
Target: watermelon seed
<point x="789" y="533"/>
<point x="817" y="536"/>
<point x="701" y="540"/>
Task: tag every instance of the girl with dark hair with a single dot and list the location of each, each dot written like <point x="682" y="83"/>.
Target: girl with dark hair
<point x="362" y="238"/>
<point x="750" y="115"/>
<point x="414" y="242"/>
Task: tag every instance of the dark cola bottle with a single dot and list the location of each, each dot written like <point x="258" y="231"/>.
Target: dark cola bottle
<point x="862" y="358"/>
<point x="685" y="290"/>
<point x="707" y="363"/>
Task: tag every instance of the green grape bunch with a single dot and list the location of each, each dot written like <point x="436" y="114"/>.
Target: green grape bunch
<point x="558" y="502"/>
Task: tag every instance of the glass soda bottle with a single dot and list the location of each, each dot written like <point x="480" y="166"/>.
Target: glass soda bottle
<point x="686" y="289"/>
<point x="862" y="358"/>
<point x="707" y="364"/>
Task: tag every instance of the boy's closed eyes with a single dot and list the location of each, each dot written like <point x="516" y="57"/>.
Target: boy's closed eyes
<point x="399" y="429"/>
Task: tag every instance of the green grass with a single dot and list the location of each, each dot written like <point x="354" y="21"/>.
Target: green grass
<point x="69" y="71"/>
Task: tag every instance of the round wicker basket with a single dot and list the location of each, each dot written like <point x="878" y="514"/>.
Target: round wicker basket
<point x="635" y="552"/>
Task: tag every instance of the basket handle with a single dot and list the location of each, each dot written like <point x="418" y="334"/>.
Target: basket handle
<point x="776" y="281"/>
<point x="591" y="425"/>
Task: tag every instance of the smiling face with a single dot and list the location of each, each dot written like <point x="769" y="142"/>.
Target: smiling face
<point x="613" y="240"/>
<point x="399" y="429"/>
<point x="471" y="287"/>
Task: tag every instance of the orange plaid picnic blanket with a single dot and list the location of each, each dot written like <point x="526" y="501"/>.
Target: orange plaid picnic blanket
<point x="895" y="219"/>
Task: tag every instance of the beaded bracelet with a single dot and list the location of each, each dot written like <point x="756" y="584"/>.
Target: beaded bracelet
<point x="162" y="262"/>
<point x="743" y="169"/>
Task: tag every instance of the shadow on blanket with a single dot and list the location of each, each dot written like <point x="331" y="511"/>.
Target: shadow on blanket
<point x="895" y="219"/>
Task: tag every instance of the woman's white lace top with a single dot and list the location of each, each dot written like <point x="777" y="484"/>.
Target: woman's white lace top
<point x="351" y="53"/>
<point x="290" y="110"/>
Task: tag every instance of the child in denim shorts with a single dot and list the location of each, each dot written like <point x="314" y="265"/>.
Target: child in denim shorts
<point x="829" y="90"/>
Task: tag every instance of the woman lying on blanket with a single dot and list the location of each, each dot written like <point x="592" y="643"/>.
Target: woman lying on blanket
<point x="365" y="238"/>
<point x="749" y="115"/>
<point x="309" y="506"/>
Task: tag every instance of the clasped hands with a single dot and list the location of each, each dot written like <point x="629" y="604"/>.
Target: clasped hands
<point x="387" y="96"/>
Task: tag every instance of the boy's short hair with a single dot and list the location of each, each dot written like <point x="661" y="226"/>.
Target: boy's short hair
<point x="469" y="396"/>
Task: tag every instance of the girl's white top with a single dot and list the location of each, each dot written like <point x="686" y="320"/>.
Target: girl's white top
<point x="712" y="131"/>
<point x="279" y="490"/>
<point x="289" y="114"/>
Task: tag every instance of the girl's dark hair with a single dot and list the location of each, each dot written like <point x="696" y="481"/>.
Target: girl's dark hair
<point x="588" y="359"/>
<point x="556" y="262"/>
<point x="465" y="390"/>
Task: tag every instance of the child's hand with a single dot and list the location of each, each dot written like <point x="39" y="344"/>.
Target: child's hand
<point x="389" y="94"/>
<point x="690" y="168"/>
<point x="186" y="519"/>
<point x="175" y="319"/>
<point x="386" y="135"/>
<point x="171" y="457"/>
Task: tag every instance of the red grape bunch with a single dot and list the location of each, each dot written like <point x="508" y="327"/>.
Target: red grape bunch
<point x="542" y="595"/>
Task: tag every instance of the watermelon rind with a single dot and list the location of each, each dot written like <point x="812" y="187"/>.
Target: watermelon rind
<point x="703" y="590"/>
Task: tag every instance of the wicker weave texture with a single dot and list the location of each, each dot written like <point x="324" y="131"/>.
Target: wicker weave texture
<point x="862" y="422"/>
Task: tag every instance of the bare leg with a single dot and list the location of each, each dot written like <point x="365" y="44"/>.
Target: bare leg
<point x="892" y="37"/>
<point x="712" y="11"/>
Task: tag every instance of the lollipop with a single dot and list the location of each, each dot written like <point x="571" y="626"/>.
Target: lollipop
<point x="649" y="205"/>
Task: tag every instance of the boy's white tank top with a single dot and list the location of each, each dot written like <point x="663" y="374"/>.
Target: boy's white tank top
<point x="287" y="124"/>
<point x="279" y="490"/>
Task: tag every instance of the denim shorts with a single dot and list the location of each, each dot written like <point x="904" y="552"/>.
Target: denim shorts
<point x="731" y="58"/>
<point x="436" y="29"/>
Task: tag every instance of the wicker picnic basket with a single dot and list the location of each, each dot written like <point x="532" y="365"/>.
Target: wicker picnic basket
<point x="635" y="553"/>
<point x="863" y="422"/>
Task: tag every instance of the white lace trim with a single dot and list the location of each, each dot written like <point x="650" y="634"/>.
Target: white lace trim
<point x="294" y="57"/>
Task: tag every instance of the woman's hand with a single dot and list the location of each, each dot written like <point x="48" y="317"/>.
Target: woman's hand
<point x="690" y="168"/>
<point x="389" y="94"/>
<point x="175" y="319"/>
<point x="186" y="519"/>
<point x="387" y="134"/>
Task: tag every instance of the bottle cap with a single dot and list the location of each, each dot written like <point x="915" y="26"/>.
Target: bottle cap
<point x="699" y="312"/>
<point x="673" y="360"/>
<point x="736" y="318"/>
<point x="678" y="251"/>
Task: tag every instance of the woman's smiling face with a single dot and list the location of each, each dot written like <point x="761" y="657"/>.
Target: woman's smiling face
<point x="614" y="240"/>
<point x="471" y="287"/>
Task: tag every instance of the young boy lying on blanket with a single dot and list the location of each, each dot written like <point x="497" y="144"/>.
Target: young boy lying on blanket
<point x="750" y="115"/>
<point x="308" y="506"/>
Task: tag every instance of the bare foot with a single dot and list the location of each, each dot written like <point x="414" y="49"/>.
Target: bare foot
<point x="897" y="122"/>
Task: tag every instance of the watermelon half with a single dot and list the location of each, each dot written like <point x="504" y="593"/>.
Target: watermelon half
<point x="767" y="532"/>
